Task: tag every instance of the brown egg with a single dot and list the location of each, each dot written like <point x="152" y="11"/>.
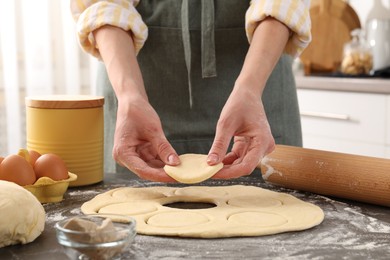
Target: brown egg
<point x="34" y="155"/>
<point x="16" y="169"/>
<point x="52" y="166"/>
<point x="1" y="159"/>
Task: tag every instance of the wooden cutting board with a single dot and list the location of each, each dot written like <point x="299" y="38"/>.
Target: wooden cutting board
<point x="332" y="23"/>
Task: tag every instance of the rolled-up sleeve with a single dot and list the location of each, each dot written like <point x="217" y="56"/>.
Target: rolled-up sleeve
<point x="293" y="13"/>
<point x="93" y="14"/>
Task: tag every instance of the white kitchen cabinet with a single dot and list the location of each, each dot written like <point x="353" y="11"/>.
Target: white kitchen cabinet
<point x="348" y="122"/>
<point x="344" y="146"/>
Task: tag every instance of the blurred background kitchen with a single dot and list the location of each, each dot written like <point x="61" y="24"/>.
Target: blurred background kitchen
<point x="40" y="55"/>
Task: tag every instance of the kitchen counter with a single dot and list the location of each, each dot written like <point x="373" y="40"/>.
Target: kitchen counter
<point x="362" y="85"/>
<point x="349" y="230"/>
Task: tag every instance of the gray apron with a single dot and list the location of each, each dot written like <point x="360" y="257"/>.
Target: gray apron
<point x="190" y="61"/>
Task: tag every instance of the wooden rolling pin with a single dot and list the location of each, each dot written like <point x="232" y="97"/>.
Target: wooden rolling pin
<point x="348" y="176"/>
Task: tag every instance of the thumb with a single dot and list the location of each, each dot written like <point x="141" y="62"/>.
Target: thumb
<point x="165" y="151"/>
<point x="219" y="148"/>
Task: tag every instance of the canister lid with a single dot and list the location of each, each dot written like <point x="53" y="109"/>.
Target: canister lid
<point x="65" y="101"/>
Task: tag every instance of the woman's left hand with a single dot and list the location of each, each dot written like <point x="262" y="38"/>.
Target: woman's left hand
<point x="242" y="118"/>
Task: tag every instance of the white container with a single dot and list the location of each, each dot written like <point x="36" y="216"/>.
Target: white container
<point x="378" y="36"/>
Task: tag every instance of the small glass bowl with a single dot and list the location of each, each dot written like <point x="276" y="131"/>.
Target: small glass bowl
<point x="103" y="244"/>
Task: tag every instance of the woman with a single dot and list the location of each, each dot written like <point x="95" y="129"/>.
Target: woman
<point x="180" y="76"/>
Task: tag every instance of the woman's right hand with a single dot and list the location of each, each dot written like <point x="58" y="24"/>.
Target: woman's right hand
<point x="139" y="141"/>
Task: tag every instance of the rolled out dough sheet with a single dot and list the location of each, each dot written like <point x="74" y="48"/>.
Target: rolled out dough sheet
<point x="192" y="169"/>
<point x="240" y="211"/>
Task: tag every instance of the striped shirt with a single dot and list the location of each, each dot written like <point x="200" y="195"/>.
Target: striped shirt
<point x="93" y="14"/>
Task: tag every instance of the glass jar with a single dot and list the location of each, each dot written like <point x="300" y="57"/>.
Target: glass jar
<point x="357" y="55"/>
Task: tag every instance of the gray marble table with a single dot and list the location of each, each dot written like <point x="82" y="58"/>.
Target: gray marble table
<point x="350" y="230"/>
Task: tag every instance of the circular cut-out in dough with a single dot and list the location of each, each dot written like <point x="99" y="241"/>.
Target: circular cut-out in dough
<point x="257" y="219"/>
<point x="254" y="201"/>
<point x="193" y="168"/>
<point x="128" y="208"/>
<point x="146" y="193"/>
<point x="177" y="219"/>
<point x="240" y="211"/>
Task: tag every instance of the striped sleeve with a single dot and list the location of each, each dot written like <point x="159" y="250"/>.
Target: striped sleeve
<point x="93" y="14"/>
<point x="293" y="13"/>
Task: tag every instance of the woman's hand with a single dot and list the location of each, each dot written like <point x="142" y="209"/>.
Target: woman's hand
<point x="139" y="141"/>
<point x="243" y="118"/>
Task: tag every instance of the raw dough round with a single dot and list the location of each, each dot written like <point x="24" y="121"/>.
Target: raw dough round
<point x="192" y="169"/>
<point x="22" y="217"/>
<point x="240" y="211"/>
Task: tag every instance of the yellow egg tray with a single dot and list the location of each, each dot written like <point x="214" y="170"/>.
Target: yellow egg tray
<point x="46" y="190"/>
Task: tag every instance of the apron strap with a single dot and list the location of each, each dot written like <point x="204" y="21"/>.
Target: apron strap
<point x="185" y="30"/>
<point x="209" y="68"/>
<point x="207" y="41"/>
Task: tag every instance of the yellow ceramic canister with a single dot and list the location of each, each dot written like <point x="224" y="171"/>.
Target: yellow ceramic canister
<point x="71" y="127"/>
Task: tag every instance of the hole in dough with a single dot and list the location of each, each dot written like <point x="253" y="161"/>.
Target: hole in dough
<point x="190" y="205"/>
<point x="177" y="219"/>
<point x="257" y="219"/>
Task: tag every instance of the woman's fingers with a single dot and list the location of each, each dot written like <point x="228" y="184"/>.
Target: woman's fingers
<point x="244" y="157"/>
<point x="220" y="145"/>
<point x="165" y="151"/>
<point x="144" y="170"/>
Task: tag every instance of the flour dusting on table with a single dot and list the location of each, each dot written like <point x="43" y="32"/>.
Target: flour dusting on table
<point x="349" y="230"/>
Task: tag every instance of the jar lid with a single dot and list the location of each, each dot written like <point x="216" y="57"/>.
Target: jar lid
<point x="65" y="101"/>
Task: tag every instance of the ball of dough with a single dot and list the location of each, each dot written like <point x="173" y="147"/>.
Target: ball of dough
<point x="22" y="217"/>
